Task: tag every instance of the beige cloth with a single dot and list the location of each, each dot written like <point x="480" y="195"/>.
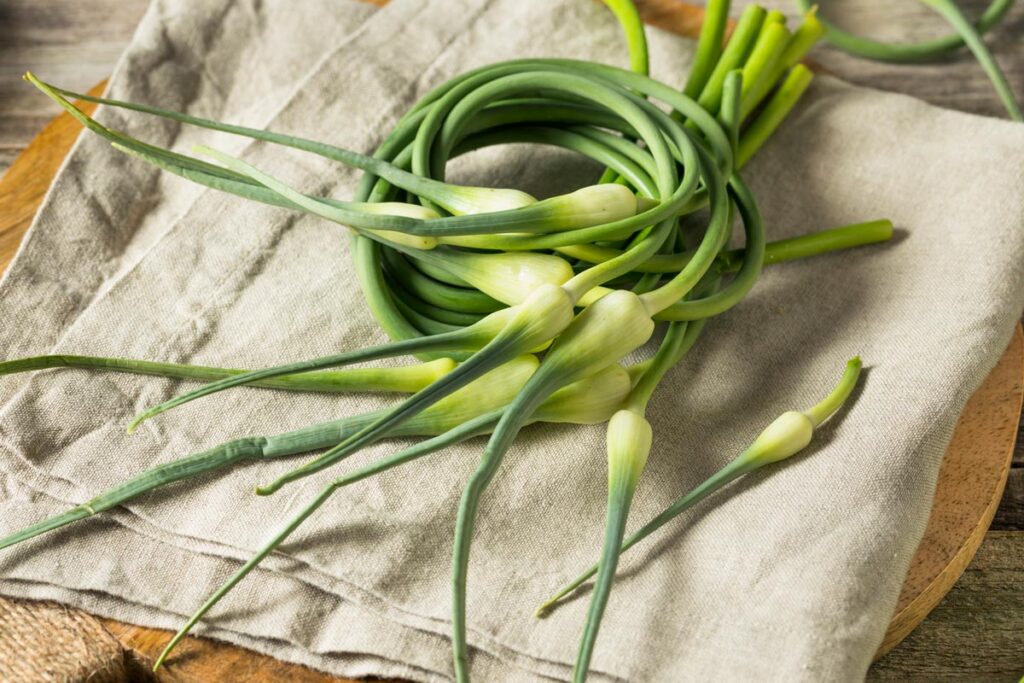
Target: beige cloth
<point x="791" y="574"/>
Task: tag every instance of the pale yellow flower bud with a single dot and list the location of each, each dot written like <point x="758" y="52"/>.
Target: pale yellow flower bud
<point x="463" y="200"/>
<point x="629" y="443"/>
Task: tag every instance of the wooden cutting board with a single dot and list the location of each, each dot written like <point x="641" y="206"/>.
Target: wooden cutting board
<point x="971" y="479"/>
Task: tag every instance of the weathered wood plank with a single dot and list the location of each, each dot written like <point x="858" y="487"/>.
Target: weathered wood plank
<point x="1018" y="451"/>
<point x="208" y="660"/>
<point x="977" y="632"/>
<point x="74" y="43"/>
<point x="956" y="82"/>
<point x="26" y="183"/>
<point x="1010" y="515"/>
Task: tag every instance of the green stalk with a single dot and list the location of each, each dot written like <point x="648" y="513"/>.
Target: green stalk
<point x="452" y="341"/>
<point x="217" y="458"/>
<point x="420" y="310"/>
<point x="951" y="12"/>
<point x="468" y="430"/>
<point x="629" y="443"/>
<point x="780" y="251"/>
<point x="633" y="26"/>
<point x="830" y="405"/>
<point x="804" y="38"/>
<point x="730" y="115"/>
<point x="760" y="66"/>
<point x="620" y="495"/>
<point x="736" y="51"/>
<point x="709" y="46"/>
<point x="766" y="449"/>
<point x="514" y="418"/>
<point x="815" y="244"/>
<point x="719" y="228"/>
<point x="746" y="276"/>
<point x="404" y="379"/>
<point x="900" y="53"/>
<point x="773" y="114"/>
<point x="426" y="324"/>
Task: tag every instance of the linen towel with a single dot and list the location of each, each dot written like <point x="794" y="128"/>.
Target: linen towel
<point x="790" y="574"/>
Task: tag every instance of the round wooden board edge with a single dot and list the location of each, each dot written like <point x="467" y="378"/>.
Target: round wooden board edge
<point x="58" y="137"/>
<point x="1009" y="369"/>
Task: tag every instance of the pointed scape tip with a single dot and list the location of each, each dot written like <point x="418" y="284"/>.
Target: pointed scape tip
<point x="30" y="77"/>
<point x="134" y="424"/>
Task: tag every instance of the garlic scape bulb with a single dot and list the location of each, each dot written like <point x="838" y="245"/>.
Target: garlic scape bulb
<point x="786" y="436"/>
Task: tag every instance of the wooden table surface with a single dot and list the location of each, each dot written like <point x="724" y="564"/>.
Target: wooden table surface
<point x="977" y="632"/>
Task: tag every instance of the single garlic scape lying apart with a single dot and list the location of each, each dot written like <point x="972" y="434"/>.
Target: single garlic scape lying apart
<point x="786" y="436"/>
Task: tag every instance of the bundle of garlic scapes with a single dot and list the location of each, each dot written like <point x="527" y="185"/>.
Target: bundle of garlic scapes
<point x="521" y="310"/>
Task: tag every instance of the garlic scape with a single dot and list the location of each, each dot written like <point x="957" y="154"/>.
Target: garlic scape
<point x="499" y="337"/>
<point x="517" y="330"/>
<point x="786" y="436"/>
<point x="490" y="392"/>
<point x="402" y="378"/>
<point x="600" y="336"/>
<point x="629" y="438"/>
<point x="467" y="430"/>
<point x="521" y="309"/>
<point x="628" y="443"/>
<point x="586" y="401"/>
<point x="759" y="68"/>
<point x="461" y="200"/>
<point x="509" y="277"/>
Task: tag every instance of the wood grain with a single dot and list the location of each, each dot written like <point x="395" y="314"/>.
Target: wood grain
<point x="955" y="81"/>
<point x="971" y="631"/>
<point x="970" y="486"/>
<point x="73" y="42"/>
<point x="674" y="16"/>
<point x="28" y="179"/>
<point x="988" y="599"/>
<point x="1010" y="514"/>
<point x="197" y="659"/>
